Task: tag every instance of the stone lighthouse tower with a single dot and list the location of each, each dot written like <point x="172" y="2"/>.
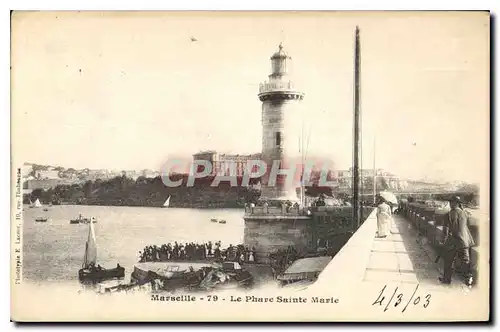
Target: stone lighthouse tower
<point x="280" y="128"/>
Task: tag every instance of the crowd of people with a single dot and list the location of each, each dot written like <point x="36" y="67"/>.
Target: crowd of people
<point x="194" y="251"/>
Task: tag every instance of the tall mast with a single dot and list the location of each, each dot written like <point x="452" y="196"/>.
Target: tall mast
<point x="374" y="172"/>
<point x="302" y="191"/>
<point x="356" y="148"/>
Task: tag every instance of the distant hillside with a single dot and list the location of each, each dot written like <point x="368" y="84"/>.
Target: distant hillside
<point x="33" y="171"/>
<point x="124" y="191"/>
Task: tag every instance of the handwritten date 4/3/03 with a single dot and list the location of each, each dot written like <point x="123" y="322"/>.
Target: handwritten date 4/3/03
<point x="398" y="299"/>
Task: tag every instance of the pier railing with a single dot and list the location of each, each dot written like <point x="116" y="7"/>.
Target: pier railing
<point x="275" y="211"/>
<point x="306" y="211"/>
<point x="429" y="220"/>
<point x="429" y="223"/>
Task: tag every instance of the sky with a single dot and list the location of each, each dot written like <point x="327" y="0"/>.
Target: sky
<point x="131" y="90"/>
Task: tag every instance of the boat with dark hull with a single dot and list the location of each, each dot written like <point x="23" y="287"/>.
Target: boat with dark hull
<point x="88" y="220"/>
<point x="83" y="220"/>
<point x="193" y="276"/>
<point x="94" y="275"/>
<point x="90" y="273"/>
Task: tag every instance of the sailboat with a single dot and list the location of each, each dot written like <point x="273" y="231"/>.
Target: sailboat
<point x="37" y="204"/>
<point x="89" y="271"/>
<point x="167" y="203"/>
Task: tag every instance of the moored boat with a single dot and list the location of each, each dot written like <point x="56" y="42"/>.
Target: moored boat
<point x="213" y="220"/>
<point x="304" y="270"/>
<point x="113" y="286"/>
<point x="88" y="220"/>
<point x="89" y="271"/>
<point x="82" y="220"/>
<point x="206" y="276"/>
<point x="96" y="275"/>
<point x="41" y="219"/>
<point x="222" y="221"/>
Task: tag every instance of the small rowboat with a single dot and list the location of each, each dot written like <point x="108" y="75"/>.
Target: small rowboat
<point x="41" y="219"/>
<point x="222" y="221"/>
<point x="213" y="220"/>
<point x="88" y="220"/>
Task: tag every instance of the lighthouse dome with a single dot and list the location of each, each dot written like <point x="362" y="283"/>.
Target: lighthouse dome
<point x="280" y="54"/>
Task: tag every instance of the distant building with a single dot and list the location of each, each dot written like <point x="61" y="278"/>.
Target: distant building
<point x="149" y="174"/>
<point x="131" y="174"/>
<point x="46" y="174"/>
<point x="208" y="155"/>
<point x="226" y="164"/>
<point x="391" y="181"/>
<point x="424" y="186"/>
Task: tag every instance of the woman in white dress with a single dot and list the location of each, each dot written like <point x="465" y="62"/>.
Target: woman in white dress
<point x="384" y="219"/>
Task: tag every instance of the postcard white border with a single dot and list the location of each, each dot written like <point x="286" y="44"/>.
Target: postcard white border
<point x="184" y="5"/>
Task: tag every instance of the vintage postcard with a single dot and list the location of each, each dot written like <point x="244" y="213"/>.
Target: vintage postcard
<point x="250" y="166"/>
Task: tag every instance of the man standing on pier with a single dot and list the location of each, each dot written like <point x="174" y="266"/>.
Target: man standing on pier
<point x="457" y="242"/>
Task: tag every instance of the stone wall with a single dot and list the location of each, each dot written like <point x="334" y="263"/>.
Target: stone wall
<point x="270" y="234"/>
<point x="352" y="259"/>
<point x="330" y="222"/>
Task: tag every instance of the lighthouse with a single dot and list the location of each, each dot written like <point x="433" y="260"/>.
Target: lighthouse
<point x="271" y="227"/>
<point x="280" y="130"/>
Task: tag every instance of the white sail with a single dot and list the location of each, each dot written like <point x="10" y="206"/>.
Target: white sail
<point x="37" y="203"/>
<point x="167" y="202"/>
<point x="90" y="248"/>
